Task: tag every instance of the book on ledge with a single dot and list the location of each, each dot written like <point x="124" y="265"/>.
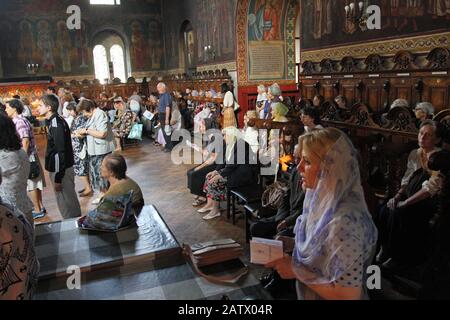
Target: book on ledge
<point x="264" y="251"/>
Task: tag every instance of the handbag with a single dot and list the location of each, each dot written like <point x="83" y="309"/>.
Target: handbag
<point x="113" y="214"/>
<point x="35" y="169"/>
<point x="215" y="252"/>
<point x="136" y="132"/>
<point x="83" y="153"/>
<point x="274" y="195"/>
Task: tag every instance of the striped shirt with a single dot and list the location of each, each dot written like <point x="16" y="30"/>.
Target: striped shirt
<point x="25" y="130"/>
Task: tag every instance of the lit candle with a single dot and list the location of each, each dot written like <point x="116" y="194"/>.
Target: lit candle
<point x="347" y="9"/>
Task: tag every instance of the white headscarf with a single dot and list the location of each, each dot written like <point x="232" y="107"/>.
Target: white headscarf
<point x="336" y="227"/>
<point x="232" y="134"/>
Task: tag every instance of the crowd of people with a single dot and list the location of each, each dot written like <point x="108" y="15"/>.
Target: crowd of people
<point x="331" y="240"/>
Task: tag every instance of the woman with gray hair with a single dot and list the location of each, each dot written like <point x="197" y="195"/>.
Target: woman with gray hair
<point x="399" y="103"/>
<point x="423" y="111"/>
<point x="404" y="221"/>
<point x="273" y="96"/>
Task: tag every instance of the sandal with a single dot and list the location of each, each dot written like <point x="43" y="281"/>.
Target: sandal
<point x="198" y="202"/>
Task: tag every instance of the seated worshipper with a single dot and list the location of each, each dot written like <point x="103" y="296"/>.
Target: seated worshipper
<point x="404" y="221"/>
<point x="238" y="169"/>
<point x="279" y="112"/>
<point x="282" y="224"/>
<point x="135" y="97"/>
<point x="114" y="169"/>
<point x="318" y="101"/>
<point x="335" y="236"/>
<point x="251" y="134"/>
<point x="79" y="144"/>
<point x="399" y="103"/>
<point x="343" y="112"/>
<point x="284" y="221"/>
<point x="423" y="111"/>
<point x="103" y="103"/>
<point x="261" y="100"/>
<point x="19" y="267"/>
<point x="311" y="119"/>
<point x="123" y="123"/>
<point x="196" y="176"/>
<point x="15" y="166"/>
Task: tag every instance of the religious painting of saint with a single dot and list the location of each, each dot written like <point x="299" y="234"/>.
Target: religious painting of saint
<point x="81" y="45"/>
<point x="323" y="24"/>
<point x="46" y="44"/>
<point x="64" y="45"/>
<point x="439" y="8"/>
<point x="190" y="46"/>
<point x="265" y="20"/>
<point x="155" y="44"/>
<point x="27" y="43"/>
<point x="138" y="46"/>
<point x="330" y="23"/>
<point x="6" y="40"/>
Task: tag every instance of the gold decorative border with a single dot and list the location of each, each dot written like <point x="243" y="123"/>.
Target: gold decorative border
<point x="242" y="48"/>
<point x="387" y="47"/>
<point x="241" y="38"/>
<point x="230" y="66"/>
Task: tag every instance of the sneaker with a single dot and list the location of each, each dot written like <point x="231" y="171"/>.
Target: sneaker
<point x="38" y="215"/>
<point x="96" y="201"/>
<point x="212" y="215"/>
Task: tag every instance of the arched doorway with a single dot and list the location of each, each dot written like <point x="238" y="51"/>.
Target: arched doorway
<point x="188" y="59"/>
<point x="110" y="57"/>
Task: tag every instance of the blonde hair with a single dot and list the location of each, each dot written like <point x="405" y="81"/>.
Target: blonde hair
<point x="319" y="142"/>
<point x="252" y="114"/>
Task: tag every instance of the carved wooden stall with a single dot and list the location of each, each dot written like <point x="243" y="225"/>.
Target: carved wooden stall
<point x="377" y="81"/>
<point x="385" y="136"/>
<point x="204" y="81"/>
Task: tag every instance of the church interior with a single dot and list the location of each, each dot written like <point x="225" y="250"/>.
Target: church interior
<point x="224" y="150"/>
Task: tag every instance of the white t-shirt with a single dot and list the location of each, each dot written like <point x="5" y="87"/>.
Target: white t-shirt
<point x="228" y="100"/>
<point x="26" y="111"/>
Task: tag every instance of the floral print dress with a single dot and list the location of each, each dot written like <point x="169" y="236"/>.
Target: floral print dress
<point x="81" y="166"/>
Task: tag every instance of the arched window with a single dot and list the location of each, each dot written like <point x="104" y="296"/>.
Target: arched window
<point x="118" y="61"/>
<point x="101" y="63"/>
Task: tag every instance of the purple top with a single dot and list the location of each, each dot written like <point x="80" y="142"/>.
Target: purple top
<point x="25" y="130"/>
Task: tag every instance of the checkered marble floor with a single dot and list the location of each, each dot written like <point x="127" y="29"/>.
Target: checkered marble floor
<point x="134" y="283"/>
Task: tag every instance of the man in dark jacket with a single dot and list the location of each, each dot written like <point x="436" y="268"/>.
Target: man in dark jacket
<point x="59" y="158"/>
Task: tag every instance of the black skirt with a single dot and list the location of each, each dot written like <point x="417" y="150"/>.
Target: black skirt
<point x="196" y="179"/>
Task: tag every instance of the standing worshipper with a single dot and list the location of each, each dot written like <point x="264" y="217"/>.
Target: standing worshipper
<point x="165" y="110"/>
<point x="36" y="183"/>
<point x="59" y="158"/>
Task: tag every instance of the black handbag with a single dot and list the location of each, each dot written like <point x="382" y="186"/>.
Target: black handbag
<point x="35" y="170"/>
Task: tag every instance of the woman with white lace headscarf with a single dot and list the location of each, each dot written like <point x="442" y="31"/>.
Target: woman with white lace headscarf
<point x="335" y="237"/>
